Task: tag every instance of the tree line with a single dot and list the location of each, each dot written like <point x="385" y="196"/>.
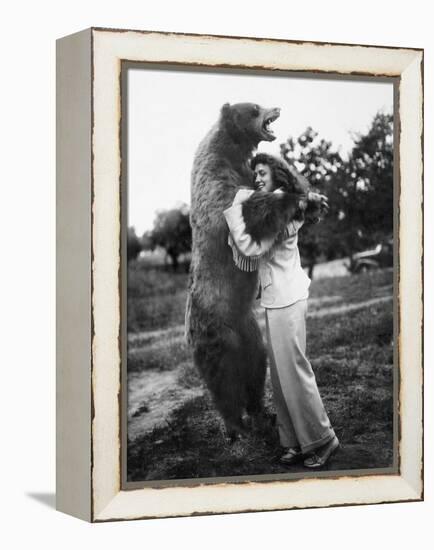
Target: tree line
<point x="171" y="231"/>
<point x="359" y="188"/>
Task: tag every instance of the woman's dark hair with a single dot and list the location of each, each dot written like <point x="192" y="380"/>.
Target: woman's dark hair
<point x="281" y="173"/>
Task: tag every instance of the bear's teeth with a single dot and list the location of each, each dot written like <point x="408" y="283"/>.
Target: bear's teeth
<point x="267" y="126"/>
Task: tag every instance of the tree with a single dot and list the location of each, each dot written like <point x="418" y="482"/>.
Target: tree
<point x="148" y="241"/>
<point x="172" y="231"/>
<point x="372" y="162"/>
<point x="134" y="246"/>
<point x="316" y="160"/>
<point x="360" y="189"/>
<point x="363" y="189"/>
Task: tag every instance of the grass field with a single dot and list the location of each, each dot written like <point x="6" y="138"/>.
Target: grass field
<point x="174" y="431"/>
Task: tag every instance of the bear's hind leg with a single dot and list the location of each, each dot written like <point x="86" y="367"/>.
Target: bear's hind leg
<point x="229" y="396"/>
<point x="255" y="372"/>
<point x="219" y="359"/>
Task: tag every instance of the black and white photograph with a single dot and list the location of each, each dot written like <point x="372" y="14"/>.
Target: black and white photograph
<point x="259" y="252"/>
<point x="218" y="233"/>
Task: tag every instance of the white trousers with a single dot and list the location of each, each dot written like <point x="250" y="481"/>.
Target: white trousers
<point x="301" y="417"/>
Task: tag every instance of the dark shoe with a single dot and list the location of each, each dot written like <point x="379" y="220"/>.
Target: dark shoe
<point x="320" y="457"/>
<point x="291" y="455"/>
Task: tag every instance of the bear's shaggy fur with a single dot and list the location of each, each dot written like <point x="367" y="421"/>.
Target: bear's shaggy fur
<point x="259" y="218"/>
<point x="264" y="212"/>
<point x="220" y="325"/>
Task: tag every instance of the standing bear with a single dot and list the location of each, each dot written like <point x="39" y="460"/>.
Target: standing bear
<point x="221" y="326"/>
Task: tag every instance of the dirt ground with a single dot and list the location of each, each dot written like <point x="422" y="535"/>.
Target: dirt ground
<point x="174" y="431"/>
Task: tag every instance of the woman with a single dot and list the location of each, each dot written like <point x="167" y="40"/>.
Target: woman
<point x="304" y="427"/>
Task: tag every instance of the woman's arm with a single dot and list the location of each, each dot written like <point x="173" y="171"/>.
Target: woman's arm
<point x="243" y="240"/>
<point x="267" y="214"/>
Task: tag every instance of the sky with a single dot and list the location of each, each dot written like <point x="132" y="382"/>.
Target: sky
<point x="170" y="111"/>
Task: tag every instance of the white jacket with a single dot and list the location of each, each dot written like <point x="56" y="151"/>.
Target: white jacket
<point x="283" y="280"/>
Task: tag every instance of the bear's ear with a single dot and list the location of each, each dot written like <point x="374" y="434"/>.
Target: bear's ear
<point x="229" y="120"/>
<point x="226" y="111"/>
<point x="226" y="107"/>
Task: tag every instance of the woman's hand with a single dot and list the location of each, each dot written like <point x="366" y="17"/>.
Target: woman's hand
<point x="319" y="200"/>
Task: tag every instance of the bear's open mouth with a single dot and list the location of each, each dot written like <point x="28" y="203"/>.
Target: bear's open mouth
<point x="267" y="123"/>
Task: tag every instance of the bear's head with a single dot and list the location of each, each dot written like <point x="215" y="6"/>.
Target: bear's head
<point x="249" y="123"/>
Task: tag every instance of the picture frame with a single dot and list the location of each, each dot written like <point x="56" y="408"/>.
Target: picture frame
<point x="90" y="299"/>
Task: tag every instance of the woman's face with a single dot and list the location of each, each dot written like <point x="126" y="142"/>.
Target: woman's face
<point x="263" y="177"/>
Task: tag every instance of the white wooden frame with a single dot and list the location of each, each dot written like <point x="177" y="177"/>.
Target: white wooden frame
<point x="88" y="272"/>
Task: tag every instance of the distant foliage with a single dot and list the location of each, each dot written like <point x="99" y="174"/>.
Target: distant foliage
<point x="360" y="190"/>
<point x="316" y="160"/>
<point x="363" y="190"/>
<point x="172" y="232"/>
<point x="148" y="241"/>
<point x="134" y="245"/>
